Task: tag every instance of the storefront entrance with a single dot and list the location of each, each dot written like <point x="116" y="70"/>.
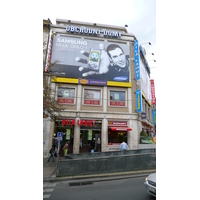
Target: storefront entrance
<point x="68" y="136"/>
<point x="90" y="139"/>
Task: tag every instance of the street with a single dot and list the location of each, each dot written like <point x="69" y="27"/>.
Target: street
<point x="126" y="189"/>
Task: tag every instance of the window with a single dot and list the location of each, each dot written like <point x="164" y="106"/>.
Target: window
<point x="143" y="103"/>
<point x="116" y="137"/>
<point x="117" y="98"/>
<point x="66" y="95"/>
<point x="148" y="113"/>
<point x="92" y="97"/>
<point x="145" y="108"/>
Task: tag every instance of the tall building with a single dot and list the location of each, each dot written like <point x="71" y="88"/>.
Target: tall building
<point x="101" y="87"/>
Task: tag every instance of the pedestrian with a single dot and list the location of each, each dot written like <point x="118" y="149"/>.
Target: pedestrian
<point x="92" y="145"/>
<point x="123" y="146"/>
<point x="65" y="148"/>
<point x="81" y="143"/>
<point x="52" y="154"/>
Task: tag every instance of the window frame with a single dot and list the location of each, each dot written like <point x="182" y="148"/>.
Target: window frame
<point x="66" y="87"/>
<point x="92" y="89"/>
<point x="117" y="90"/>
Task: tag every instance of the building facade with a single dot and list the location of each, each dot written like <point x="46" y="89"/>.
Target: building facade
<point x="94" y="82"/>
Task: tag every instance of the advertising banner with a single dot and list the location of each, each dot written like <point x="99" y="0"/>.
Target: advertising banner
<point x="137" y="63"/>
<point x="139" y="101"/>
<point x="153" y="92"/>
<point x="89" y="59"/>
<point x="154" y="117"/>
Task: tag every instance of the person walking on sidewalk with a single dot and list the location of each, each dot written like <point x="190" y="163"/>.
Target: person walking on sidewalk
<point x="52" y="154"/>
<point x="65" y="149"/>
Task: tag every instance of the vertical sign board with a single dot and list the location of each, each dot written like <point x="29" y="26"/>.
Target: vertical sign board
<point x="154" y="117"/>
<point x="139" y="100"/>
<point x="60" y="136"/>
<point x="137" y="65"/>
<point x="153" y="92"/>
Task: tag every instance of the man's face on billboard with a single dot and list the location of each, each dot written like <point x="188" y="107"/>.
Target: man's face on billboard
<point x="118" y="57"/>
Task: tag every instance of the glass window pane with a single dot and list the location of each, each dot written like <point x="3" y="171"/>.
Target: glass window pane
<point x="117" y="95"/>
<point x="66" y="92"/>
<point x="92" y="94"/>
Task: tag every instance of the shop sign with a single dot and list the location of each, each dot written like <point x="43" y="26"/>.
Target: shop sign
<point x="73" y="122"/>
<point x="92" y="31"/>
<point x="154" y="117"/>
<point x="143" y="115"/>
<point x="137" y="64"/>
<point x="139" y="101"/>
<point x="153" y="92"/>
<point x="92" y="82"/>
<point x="117" y="123"/>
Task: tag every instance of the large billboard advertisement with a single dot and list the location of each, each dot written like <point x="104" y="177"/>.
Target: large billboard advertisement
<point x="91" y="59"/>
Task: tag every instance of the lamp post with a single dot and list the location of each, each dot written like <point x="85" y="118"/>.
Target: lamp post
<point x="150" y="53"/>
<point x="151" y="60"/>
<point x="146" y="43"/>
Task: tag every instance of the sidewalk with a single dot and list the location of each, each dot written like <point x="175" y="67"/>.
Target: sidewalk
<point x="49" y="174"/>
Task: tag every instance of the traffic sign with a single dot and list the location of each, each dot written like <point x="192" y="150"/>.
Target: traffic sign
<point x="60" y="136"/>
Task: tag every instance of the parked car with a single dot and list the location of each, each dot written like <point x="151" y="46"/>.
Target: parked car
<point x="150" y="184"/>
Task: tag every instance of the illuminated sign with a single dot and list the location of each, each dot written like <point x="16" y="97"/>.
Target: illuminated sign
<point x="143" y="115"/>
<point x="92" y="31"/>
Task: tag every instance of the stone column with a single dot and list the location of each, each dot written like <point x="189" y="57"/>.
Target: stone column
<point x="48" y="131"/>
<point x="129" y="101"/>
<point x="104" y="135"/>
<point x="133" y="136"/>
<point x="76" y="138"/>
<point x="104" y="97"/>
<point x="79" y="99"/>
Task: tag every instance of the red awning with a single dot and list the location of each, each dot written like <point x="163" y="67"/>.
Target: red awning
<point x="117" y="128"/>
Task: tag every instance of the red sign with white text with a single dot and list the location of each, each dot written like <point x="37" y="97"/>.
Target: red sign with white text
<point x="65" y="101"/>
<point x="73" y="122"/>
<point x="117" y="103"/>
<point x="92" y="102"/>
<point x="153" y="92"/>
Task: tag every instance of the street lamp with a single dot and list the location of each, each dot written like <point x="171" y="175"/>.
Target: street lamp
<point x="150" y="53"/>
<point x="151" y="60"/>
<point x="146" y="43"/>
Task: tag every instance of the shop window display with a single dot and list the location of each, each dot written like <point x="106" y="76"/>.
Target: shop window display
<point x="116" y="137"/>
